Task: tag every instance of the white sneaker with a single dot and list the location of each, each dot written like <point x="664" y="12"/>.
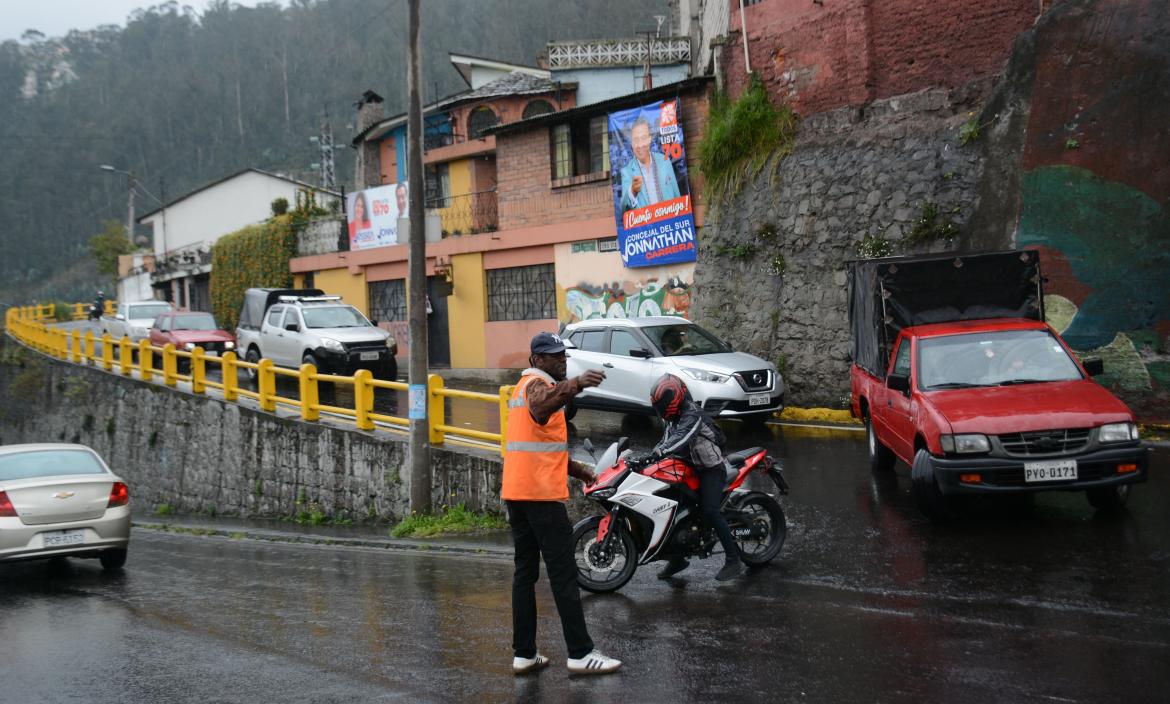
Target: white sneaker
<point x="594" y="664"/>
<point x="522" y="666"/>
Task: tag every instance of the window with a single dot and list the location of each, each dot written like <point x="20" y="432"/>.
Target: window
<point x="622" y="341"/>
<point x="580" y="147"/>
<point x="608" y="245"/>
<point x="592" y="341"/>
<point x="334" y="317"/>
<point x="388" y="300"/>
<point x="902" y="360"/>
<point x="48" y="463"/>
<point x="274" y="316"/>
<point x="163" y="323"/>
<point x="522" y="293"/>
<point x="537" y="107"/>
<point x="481" y="119"/>
<point x="438" y="186"/>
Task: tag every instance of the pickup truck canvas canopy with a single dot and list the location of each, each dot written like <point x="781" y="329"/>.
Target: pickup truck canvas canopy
<point x="886" y="295"/>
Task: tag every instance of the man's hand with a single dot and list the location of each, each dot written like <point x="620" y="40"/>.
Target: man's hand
<point x="592" y="377"/>
<point x="636" y="185"/>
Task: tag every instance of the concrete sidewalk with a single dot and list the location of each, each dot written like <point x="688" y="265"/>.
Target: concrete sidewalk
<point x="497" y="544"/>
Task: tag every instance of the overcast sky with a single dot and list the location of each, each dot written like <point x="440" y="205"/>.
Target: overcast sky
<point x="56" y="17"/>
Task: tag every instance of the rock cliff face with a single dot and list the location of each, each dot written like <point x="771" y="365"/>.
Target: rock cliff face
<point x="771" y="270"/>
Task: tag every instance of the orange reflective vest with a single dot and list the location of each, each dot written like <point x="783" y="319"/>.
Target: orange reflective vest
<point x="536" y="458"/>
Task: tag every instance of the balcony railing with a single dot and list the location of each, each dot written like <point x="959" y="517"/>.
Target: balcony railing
<point x="467" y="214"/>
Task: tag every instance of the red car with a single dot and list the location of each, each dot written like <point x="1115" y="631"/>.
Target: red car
<point x="187" y="330"/>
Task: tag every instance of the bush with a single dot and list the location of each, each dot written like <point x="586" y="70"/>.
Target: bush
<point x="279" y="206"/>
<point x="741" y="136"/>
<point x="456" y="519"/>
<point x="256" y="256"/>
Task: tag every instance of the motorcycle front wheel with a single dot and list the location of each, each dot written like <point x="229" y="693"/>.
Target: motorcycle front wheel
<point x="762" y="531"/>
<point x="601" y="569"/>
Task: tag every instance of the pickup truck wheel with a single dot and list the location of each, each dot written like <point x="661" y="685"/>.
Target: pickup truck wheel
<point x="1109" y="498"/>
<point x="927" y="496"/>
<point x="881" y="458"/>
<point x="252" y="356"/>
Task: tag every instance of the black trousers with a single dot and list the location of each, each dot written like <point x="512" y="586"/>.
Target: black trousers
<point x="711" y="483"/>
<point x="543" y="528"/>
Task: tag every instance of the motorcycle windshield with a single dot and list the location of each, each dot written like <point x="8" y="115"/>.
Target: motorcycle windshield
<point x="607" y="459"/>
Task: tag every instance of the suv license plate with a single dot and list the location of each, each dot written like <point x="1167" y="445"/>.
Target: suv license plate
<point x="1052" y="471"/>
<point x="63" y="537"/>
<point x="759" y="399"/>
<point x="369" y="356"/>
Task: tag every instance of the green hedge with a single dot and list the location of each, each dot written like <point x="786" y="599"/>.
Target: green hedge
<point x="256" y="256"/>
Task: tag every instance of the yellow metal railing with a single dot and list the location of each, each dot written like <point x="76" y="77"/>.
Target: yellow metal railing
<point x="146" y="361"/>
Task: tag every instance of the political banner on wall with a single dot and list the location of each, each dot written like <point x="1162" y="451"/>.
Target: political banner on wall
<point x="373" y="215"/>
<point x="651" y="193"/>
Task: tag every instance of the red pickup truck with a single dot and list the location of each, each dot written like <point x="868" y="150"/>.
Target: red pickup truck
<point x="974" y="391"/>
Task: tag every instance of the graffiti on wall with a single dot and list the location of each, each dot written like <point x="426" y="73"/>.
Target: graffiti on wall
<point x="628" y="299"/>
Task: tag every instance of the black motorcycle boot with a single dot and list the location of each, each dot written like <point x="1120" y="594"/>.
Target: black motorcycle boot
<point x="673" y="567"/>
<point x="731" y="569"/>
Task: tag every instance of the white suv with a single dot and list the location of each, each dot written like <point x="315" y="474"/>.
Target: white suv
<point x="325" y="332"/>
<point x="635" y="352"/>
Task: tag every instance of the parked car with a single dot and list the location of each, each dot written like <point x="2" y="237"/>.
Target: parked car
<point x="61" y="500"/>
<point x="297" y="327"/>
<point x="133" y="320"/>
<point x="635" y="352"/>
<point x="187" y="330"/>
<point x="956" y="374"/>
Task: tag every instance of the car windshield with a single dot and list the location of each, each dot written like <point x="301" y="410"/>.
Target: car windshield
<point x="684" y="339"/>
<point x="334" y="317"/>
<point x="993" y="359"/>
<point x="151" y="311"/>
<point x="48" y="463"/>
<point x="194" y="322"/>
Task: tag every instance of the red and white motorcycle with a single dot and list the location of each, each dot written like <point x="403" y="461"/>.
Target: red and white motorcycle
<point x="652" y="512"/>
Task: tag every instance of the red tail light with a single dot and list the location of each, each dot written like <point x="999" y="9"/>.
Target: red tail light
<point x="119" y="495"/>
<point x="6" y="508"/>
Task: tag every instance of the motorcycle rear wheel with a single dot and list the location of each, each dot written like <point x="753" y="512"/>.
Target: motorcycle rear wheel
<point x="764" y="510"/>
<point x="603" y="573"/>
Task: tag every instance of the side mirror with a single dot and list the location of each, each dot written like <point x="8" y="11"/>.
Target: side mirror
<point x="1093" y="365"/>
<point x="119" y="316"/>
<point x="640" y="353"/>
<point x="898" y="382"/>
<point x="374" y="323"/>
<point x="292" y="327"/>
<point x="623" y="443"/>
<point x="588" y="445"/>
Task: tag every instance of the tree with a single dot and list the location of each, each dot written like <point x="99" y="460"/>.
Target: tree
<point x="106" y="246"/>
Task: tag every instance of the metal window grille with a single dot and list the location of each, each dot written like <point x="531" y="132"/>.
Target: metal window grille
<point x="609" y="245"/>
<point x="522" y="293"/>
<point x="599" y="144"/>
<point x="562" y="151"/>
<point x="388" y="300"/>
<point x="438" y="183"/>
<point x="481" y="119"/>
<point x="537" y="107"/>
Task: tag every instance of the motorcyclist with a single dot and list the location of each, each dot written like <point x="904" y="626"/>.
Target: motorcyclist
<point x="691" y="434"/>
<point x="99" y="305"/>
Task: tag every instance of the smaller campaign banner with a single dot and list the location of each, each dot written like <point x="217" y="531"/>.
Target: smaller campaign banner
<point x="373" y="215"/>
<point x="651" y="192"/>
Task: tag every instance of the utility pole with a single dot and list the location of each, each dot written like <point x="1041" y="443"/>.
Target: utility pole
<point x="420" y="450"/>
<point x="647" y="76"/>
<point x="327" y="176"/>
<point x="130" y="209"/>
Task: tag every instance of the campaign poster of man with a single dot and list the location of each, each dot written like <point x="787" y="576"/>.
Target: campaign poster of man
<point x="372" y="215"/>
<point x="651" y="194"/>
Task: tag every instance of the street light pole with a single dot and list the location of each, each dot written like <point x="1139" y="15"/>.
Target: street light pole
<point x="129" y="199"/>
<point x="420" y="451"/>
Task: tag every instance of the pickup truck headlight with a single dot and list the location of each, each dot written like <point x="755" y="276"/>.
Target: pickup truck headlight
<point x="964" y="444"/>
<point x="1117" y="432"/>
<point x="391" y="344"/>
<point x="189" y="346"/>
<point x="332" y="345"/>
<point x="229" y="345"/>
<point x="704" y="375"/>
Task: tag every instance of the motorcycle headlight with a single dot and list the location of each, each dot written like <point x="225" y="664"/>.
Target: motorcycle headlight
<point x="332" y="345"/>
<point x="605" y="493"/>
<point x="1117" y="432"/>
<point x="704" y="375"/>
<point x="964" y="444"/>
<point x="189" y="346"/>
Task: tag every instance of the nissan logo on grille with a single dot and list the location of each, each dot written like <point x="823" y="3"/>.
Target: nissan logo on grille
<point x="757" y="378"/>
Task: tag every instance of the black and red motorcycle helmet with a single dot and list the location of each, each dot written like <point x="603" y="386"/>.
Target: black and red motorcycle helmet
<point x="668" y="395"/>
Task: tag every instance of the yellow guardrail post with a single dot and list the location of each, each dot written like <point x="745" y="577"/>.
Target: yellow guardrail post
<point x="77" y="352"/>
<point x="78" y="311"/>
<point x="145" y="361"/>
<point x="266" y="383"/>
<point x="170" y="365"/>
<point x="363" y="400"/>
<point x="87" y="348"/>
<point x="125" y="355"/>
<point x="505" y="397"/>
<point x="310" y="397"/>
<point x="230" y="380"/>
<point x="198" y="371"/>
<point x="107" y="351"/>
<point x="435" y="408"/>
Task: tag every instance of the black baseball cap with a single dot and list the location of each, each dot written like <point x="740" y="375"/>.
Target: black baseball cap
<point x="547" y="343"/>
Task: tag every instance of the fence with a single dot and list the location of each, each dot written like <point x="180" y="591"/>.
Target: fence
<point x="130" y="358"/>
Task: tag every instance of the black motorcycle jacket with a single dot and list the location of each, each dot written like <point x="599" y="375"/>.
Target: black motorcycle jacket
<point x="694" y="437"/>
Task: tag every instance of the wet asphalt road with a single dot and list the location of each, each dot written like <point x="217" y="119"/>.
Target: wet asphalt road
<point x="867" y="602"/>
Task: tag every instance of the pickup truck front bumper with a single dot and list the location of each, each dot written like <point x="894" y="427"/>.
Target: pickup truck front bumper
<point x="348" y="362"/>
<point x="1096" y="469"/>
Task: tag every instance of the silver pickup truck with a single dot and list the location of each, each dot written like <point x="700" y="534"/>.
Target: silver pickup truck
<point x="133" y="320"/>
